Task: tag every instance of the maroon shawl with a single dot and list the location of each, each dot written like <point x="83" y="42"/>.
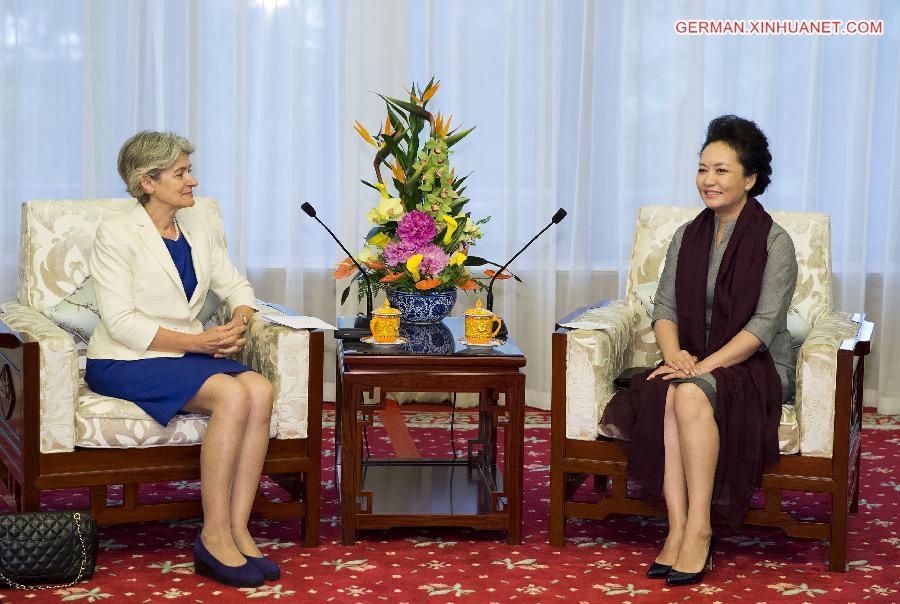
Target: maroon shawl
<point x="748" y="395"/>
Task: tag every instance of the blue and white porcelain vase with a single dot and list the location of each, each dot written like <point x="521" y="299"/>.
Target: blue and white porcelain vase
<point x="423" y="307"/>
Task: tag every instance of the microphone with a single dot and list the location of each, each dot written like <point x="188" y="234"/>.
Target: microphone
<point x="361" y="325"/>
<point x="557" y="218"/>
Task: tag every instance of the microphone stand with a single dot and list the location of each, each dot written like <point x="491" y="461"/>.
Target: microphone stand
<point x="361" y="324"/>
<point x="557" y="218"/>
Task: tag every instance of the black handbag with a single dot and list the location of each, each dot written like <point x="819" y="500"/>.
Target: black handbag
<point x="40" y="548"/>
<point x="623" y="380"/>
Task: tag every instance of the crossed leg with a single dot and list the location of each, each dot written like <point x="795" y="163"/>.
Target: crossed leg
<point x="232" y="450"/>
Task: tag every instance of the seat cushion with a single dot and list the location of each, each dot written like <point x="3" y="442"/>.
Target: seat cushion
<point x="104" y="421"/>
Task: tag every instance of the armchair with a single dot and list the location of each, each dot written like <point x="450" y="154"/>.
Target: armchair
<point x="820" y="432"/>
<point x="56" y="433"/>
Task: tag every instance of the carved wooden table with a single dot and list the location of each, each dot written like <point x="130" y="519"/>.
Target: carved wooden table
<point x="472" y="491"/>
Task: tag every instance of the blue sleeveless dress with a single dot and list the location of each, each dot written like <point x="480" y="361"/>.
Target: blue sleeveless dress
<point x="161" y="386"/>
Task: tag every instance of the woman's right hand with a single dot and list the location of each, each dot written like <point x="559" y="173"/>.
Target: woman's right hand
<point x="220" y="341"/>
<point x="682" y="361"/>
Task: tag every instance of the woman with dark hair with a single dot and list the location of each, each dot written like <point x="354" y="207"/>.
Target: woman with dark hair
<point x="705" y="421"/>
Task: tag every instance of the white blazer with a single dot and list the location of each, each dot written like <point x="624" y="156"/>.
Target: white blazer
<point x="138" y="287"/>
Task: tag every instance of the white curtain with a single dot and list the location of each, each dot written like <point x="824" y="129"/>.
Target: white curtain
<point x="597" y="107"/>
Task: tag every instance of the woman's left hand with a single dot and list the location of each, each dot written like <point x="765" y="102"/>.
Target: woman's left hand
<point x="675" y="375"/>
<point x="238" y="324"/>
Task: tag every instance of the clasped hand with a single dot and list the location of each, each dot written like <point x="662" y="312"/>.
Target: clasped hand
<point x="222" y="340"/>
<point x="682" y="364"/>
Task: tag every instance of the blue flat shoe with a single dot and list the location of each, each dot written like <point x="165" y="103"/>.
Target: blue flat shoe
<point x="270" y="570"/>
<point x="205" y="564"/>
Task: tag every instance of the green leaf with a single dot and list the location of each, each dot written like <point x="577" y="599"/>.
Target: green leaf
<point x="452" y="140"/>
<point x="460" y="181"/>
<point x="398" y="120"/>
<point x="474" y="261"/>
<point x="374" y="231"/>
<point x="346" y="293"/>
<point x="390" y="143"/>
<point x="411" y="107"/>
<point x="368" y="184"/>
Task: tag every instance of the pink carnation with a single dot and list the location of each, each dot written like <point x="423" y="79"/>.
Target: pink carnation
<point x="434" y="260"/>
<point x="416" y="228"/>
<point x="398" y="252"/>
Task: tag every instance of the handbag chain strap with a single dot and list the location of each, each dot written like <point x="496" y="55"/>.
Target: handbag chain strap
<point x="76" y="518"/>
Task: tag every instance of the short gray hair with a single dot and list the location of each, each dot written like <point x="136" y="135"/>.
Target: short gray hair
<point x="149" y="152"/>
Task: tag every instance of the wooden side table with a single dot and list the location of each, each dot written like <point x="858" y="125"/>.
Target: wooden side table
<point x="472" y="491"/>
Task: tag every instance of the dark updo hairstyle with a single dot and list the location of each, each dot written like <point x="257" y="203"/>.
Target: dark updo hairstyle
<point x="748" y="142"/>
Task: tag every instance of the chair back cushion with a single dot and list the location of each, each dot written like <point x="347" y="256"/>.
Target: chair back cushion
<point x="656" y="225"/>
<point x="56" y="237"/>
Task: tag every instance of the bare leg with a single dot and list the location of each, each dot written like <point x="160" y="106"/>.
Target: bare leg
<point x="250" y="459"/>
<point x="699" y="438"/>
<point x="225" y="400"/>
<point x="674" y="487"/>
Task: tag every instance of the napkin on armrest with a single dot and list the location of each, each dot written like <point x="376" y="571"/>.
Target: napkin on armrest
<point x="298" y="322"/>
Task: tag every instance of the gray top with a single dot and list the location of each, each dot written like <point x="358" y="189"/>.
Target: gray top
<point x="769" y="322"/>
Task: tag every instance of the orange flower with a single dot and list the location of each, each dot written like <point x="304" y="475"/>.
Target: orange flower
<point x="442" y="128"/>
<point x="491" y="273"/>
<point x="470" y="284"/>
<point x="397" y="170"/>
<point x="387" y="126"/>
<point x="390" y="277"/>
<point x="374" y="265"/>
<point x="345" y="268"/>
<point x="428" y="284"/>
<point x="364" y="134"/>
<point x="429" y="92"/>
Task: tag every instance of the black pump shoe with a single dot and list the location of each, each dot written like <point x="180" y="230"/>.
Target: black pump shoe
<point x="676" y="577"/>
<point x="658" y="571"/>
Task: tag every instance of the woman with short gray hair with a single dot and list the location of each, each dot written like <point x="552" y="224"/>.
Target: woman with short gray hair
<point x="153" y="267"/>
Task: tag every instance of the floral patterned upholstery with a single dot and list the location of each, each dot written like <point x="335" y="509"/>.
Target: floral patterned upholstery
<point x="595" y="358"/>
<point x="56" y="239"/>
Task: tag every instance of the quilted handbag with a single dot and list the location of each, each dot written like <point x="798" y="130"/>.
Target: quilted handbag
<point x="39" y="548"/>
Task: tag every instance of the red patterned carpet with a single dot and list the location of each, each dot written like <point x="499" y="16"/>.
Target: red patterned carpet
<point x="152" y="562"/>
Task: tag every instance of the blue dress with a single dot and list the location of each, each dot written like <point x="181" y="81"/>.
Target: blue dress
<point x="161" y="386"/>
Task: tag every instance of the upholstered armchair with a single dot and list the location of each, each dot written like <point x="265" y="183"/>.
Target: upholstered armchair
<point x="820" y="430"/>
<point x="56" y="433"/>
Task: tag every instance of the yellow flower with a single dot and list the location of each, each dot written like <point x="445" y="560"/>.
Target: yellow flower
<point x="382" y="188"/>
<point x="458" y="259"/>
<point x="398" y="172"/>
<point x="429" y="92"/>
<point x="389" y="208"/>
<point x="412" y="265"/>
<point x="451" y="227"/>
<point x="367" y="253"/>
<point x="364" y="134"/>
<point x="379" y="240"/>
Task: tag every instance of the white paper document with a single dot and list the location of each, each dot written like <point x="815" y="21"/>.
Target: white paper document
<point x="586" y="325"/>
<point x="298" y="322"/>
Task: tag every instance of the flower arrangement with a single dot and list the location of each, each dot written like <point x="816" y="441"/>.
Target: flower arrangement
<point x="420" y="236"/>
